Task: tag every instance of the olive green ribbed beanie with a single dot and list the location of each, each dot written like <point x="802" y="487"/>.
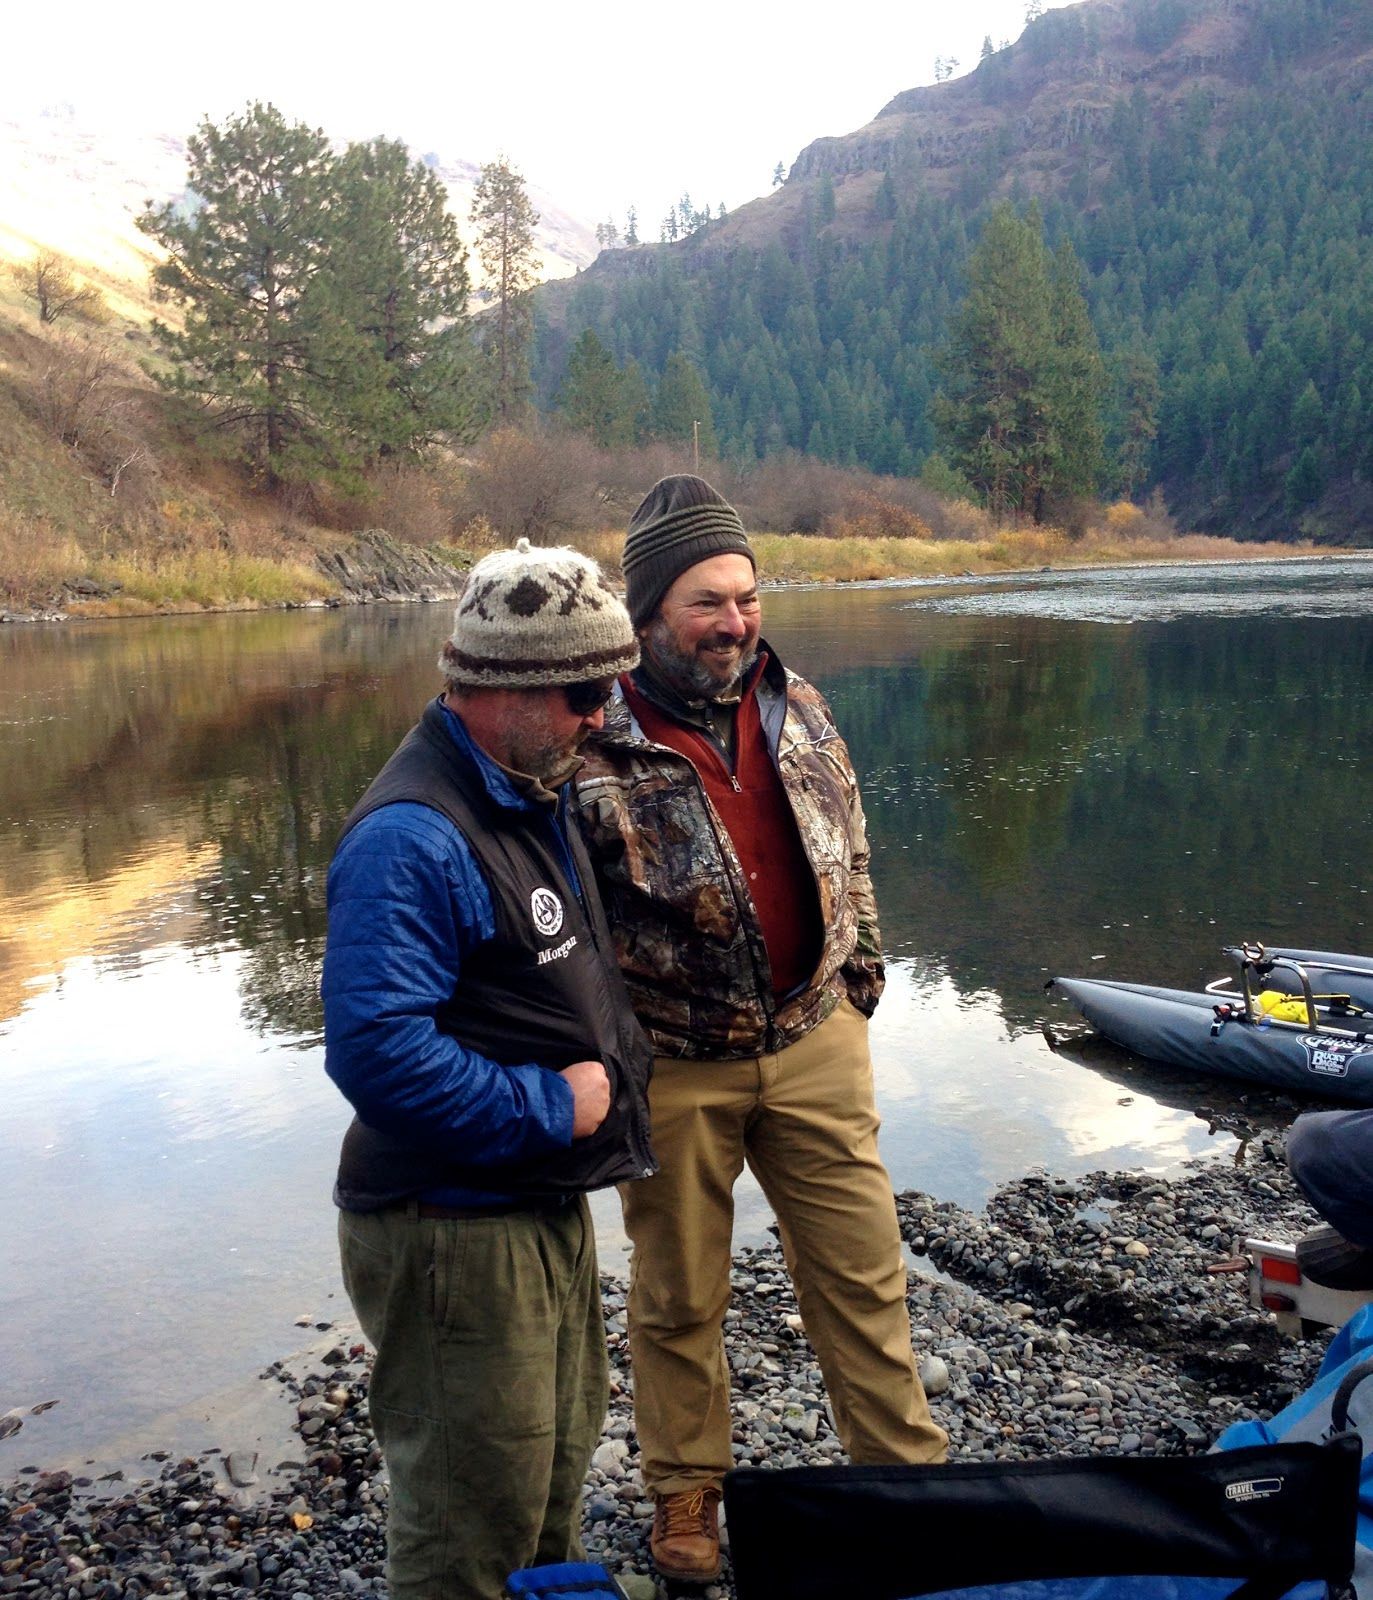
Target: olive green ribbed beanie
<point x="680" y="521"/>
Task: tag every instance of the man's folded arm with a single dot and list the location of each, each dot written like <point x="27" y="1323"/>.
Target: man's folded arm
<point x="407" y="905"/>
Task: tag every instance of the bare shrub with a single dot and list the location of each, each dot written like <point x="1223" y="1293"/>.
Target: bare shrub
<point x="73" y="391"/>
<point x="1148" y="524"/>
<point x="258" y="538"/>
<point x="82" y="395"/>
<point x="32" y="562"/>
<point x="1073" y="513"/>
<point x="626" y="476"/>
<point x="961" y="519"/>
<point x="47" y="279"/>
<point x="409" y="501"/>
<point x="791" y="493"/>
<point x="477" y="535"/>
<point x="535" y="486"/>
<point x="1158" y="518"/>
<point x="1123" y="520"/>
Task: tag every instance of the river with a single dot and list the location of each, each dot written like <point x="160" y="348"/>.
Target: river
<point x="1107" y="772"/>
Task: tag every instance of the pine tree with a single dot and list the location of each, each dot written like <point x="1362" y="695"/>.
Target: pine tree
<point x="1304" y="482"/>
<point x="505" y="221"/>
<point x="636" y="402"/>
<point x="593" y="398"/>
<point x="260" y="343"/>
<point x="1308" y="417"/>
<point x="1138" y="405"/>
<point x="1077" y="382"/>
<point x="994" y="412"/>
<point x="682" y="401"/>
<point x="401" y="279"/>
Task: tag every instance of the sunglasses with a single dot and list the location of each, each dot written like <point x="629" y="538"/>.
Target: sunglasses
<point x="584" y="699"/>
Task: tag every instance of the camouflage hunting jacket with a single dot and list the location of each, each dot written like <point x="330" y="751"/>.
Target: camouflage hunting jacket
<point x="687" y="934"/>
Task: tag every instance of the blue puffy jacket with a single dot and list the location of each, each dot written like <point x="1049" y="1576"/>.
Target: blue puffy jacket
<point x="408" y="904"/>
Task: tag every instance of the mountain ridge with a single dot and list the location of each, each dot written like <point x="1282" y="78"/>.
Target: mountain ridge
<point x="1209" y="161"/>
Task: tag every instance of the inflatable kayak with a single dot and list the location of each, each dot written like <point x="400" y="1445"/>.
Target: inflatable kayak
<point x="1327" y="970"/>
<point x="1286" y="1035"/>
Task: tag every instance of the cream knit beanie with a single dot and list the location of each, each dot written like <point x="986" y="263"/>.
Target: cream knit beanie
<point x="534" y="616"/>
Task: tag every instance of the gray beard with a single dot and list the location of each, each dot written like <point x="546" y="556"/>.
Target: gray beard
<point x="687" y="673"/>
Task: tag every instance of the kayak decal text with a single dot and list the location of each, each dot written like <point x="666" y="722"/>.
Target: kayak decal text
<point x="1329" y="1058"/>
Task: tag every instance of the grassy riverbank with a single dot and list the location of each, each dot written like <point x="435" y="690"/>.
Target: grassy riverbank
<point x="74" y="582"/>
<point x="112" y="503"/>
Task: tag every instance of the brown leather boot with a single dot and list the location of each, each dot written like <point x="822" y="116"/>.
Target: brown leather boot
<point x="685" y="1542"/>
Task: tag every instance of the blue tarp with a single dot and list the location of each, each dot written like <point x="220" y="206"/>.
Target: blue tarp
<point x="1308" y="1418"/>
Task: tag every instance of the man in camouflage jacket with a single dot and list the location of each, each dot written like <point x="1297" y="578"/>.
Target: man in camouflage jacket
<point x="723" y="817"/>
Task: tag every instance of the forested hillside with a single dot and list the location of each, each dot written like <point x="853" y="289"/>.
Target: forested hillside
<point x="1209" y="161"/>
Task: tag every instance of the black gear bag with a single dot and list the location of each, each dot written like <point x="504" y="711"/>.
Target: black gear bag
<point x="1242" y="1525"/>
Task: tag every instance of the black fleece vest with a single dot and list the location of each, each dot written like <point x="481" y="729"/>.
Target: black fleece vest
<point x="545" y="989"/>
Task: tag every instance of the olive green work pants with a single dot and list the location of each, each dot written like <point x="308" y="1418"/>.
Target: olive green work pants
<point x="488" y="1391"/>
<point x="805" y="1121"/>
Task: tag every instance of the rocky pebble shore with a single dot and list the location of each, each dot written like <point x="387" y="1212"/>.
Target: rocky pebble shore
<point x="1068" y="1318"/>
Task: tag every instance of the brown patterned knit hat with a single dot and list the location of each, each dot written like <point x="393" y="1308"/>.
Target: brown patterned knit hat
<point x="681" y="521"/>
<point x="535" y="616"/>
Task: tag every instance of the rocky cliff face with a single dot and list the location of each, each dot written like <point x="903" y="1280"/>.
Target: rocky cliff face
<point x="375" y="567"/>
<point x="1057" y="88"/>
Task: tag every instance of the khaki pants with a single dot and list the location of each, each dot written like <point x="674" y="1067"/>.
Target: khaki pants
<point x="488" y="1391"/>
<point x="805" y="1122"/>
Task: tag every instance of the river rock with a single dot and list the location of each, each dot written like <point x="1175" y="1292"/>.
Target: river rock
<point x="934" y="1376"/>
<point x="1155" y="1364"/>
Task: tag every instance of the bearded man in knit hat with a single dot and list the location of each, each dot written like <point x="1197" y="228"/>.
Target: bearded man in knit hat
<point x="724" y="819"/>
<point x="475" y="1019"/>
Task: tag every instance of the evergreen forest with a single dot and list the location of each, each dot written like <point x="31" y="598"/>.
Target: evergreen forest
<point x="1220" y="207"/>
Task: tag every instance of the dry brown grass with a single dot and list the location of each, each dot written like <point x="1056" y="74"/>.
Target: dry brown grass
<point x="809" y="558"/>
<point x="209" y="580"/>
<point x="33" y="562"/>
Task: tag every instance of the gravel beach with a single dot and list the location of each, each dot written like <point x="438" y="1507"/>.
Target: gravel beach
<point x="1068" y="1318"/>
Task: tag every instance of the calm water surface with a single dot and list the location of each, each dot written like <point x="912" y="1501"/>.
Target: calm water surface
<point x="1107" y="772"/>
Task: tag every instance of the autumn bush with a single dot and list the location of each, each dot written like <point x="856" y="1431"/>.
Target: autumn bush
<point x="529" y="485"/>
<point x="90" y="400"/>
<point x="868" y="516"/>
<point x="412" y="500"/>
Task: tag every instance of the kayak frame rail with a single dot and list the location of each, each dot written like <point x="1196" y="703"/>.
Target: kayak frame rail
<point x="1254" y="959"/>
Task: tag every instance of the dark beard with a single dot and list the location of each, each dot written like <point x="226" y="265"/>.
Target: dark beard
<point x="686" y="672"/>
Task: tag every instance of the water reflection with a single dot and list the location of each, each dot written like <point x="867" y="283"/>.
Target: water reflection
<point x="1044" y="794"/>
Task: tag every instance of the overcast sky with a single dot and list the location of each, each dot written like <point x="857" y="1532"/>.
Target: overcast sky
<point x="600" y="104"/>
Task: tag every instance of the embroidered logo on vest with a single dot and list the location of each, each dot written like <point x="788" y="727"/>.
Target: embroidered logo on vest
<point x="547" y="910"/>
